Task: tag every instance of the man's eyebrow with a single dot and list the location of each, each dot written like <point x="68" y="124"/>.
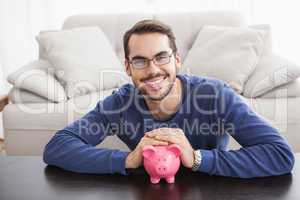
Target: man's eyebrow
<point x="160" y="53"/>
<point x="142" y="57"/>
<point x="138" y="57"/>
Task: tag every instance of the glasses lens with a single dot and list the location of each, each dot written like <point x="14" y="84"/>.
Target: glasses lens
<point x="162" y="59"/>
<point x="139" y="62"/>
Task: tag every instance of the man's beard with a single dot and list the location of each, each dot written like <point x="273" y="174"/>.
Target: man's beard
<point x="162" y="96"/>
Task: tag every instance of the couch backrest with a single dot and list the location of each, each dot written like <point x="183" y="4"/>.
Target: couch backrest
<point x="185" y="25"/>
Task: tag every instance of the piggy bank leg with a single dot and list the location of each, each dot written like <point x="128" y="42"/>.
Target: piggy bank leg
<point x="170" y="179"/>
<point x="154" y="180"/>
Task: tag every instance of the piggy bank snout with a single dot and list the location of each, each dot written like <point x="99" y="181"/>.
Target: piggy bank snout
<point x="161" y="169"/>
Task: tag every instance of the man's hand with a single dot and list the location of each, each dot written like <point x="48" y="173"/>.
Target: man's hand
<point x="135" y="158"/>
<point x="175" y="136"/>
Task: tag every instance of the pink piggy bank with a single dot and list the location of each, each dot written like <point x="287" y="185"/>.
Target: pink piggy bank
<point x="162" y="162"/>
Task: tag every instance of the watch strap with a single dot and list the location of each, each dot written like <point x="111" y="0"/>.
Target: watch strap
<point x="197" y="160"/>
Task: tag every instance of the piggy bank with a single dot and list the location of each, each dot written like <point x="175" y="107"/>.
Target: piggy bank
<point x="161" y="162"/>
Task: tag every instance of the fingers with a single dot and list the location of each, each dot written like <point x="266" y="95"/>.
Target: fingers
<point x="168" y="138"/>
<point x="170" y="135"/>
<point x="164" y="131"/>
<point x="151" y="141"/>
<point x="157" y="132"/>
<point x="156" y="142"/>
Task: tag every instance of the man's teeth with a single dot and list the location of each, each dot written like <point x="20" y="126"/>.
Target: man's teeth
<point x="155" y="81"/>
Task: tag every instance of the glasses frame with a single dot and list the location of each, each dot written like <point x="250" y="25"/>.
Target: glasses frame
<point x="153" y="60"/>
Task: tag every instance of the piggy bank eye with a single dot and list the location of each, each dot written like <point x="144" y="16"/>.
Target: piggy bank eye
<point x="165" y="159"/>
<point x="158" y="160"/>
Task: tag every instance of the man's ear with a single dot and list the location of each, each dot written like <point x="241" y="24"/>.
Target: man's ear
<point x="127" y="67"/>
<point x="177" y="61"/>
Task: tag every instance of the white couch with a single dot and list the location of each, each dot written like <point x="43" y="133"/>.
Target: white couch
<point x="29" y="126"/>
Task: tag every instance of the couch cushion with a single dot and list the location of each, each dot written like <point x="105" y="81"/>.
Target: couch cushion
<point x="23" y="96"/>
<point x="83" y="59"/>
<point x="185" y="25"/>
<point x="271" y="71"/>
<point x="112" y="25"/>
<point x="268" y="38"/>
<point x="226" y="53"/>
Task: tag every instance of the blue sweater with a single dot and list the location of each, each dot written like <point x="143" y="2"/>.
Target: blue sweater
<point x="210" y="111"/>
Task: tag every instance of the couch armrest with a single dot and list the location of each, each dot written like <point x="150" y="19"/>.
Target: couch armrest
<point x="291" y="89"/>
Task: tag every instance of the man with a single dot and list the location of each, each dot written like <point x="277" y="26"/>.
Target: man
<point x="163" y="107"/>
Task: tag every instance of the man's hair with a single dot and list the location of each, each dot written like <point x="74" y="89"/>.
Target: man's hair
<point x="149" y="26"/>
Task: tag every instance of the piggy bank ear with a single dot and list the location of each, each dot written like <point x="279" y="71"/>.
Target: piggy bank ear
<point x="148" y="151"/>
<point x="174" y="148"/>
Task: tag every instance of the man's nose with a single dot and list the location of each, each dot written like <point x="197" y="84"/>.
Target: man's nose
<point x="152" y="67"/>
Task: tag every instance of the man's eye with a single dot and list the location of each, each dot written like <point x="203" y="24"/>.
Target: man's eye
<point x="139" y="62"/>
<point x="161" y="58"/>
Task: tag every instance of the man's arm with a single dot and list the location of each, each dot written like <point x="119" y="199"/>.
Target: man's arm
<point x="73" y="148"/>
<point x="264" y="152"/>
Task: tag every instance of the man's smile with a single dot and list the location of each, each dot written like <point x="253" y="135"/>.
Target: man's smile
<point x="155" y="83"/>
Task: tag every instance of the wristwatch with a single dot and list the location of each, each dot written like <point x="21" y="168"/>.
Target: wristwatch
<point x="197" y="160"/>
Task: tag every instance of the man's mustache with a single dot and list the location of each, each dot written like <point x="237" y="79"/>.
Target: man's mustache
<point x="153" y="76"/>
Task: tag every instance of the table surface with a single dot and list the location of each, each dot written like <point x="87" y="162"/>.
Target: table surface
<point x="27" y="177"/>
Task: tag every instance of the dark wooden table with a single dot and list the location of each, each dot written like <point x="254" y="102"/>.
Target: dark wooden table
<point x="29" y="178"/>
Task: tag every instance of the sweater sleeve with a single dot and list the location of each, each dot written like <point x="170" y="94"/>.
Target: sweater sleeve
<point x="264" y="152"/>
<point x="73" y="148"/>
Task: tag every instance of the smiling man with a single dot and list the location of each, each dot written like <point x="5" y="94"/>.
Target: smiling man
<point x="163" y="107"/>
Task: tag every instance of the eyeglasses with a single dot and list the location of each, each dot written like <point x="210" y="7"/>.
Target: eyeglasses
<point x="159" y="60"/>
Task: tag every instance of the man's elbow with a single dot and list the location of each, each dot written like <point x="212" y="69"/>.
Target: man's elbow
<point x="47" y="155"/>
<point x="50" y="150"/>
<point x="288" y="159"/>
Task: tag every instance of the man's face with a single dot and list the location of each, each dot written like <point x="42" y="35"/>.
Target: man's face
<point x="155" y="82"/>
